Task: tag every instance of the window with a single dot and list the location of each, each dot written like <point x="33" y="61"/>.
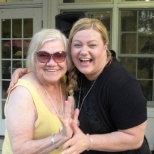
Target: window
<point x="85" y="1"/>
<point x="136" y="0"/>
<point x="65" y="20"/>
<point x="137" y="46"/>
<point x="15" y="42"/>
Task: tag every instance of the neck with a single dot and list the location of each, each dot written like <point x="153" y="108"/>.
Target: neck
<point x="50" y="86"/>
<point x="56" y="100"/>
<point x="54" y="94"/>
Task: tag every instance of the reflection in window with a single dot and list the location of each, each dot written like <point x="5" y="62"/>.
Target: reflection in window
<point x="17" y="48"/>
<point x="137" y="46"/>
<point x="85" y="1"/>
<point x="16" y="64"/>
<point x="6" y="33"/>
<point x="146" y="44"/>
<point x="3" y="103"/>
<point x="129" y="42"/>
<point x="6" y="49"/>
<point x="146" y="86"/>
<point x="146" y="21"/>
<point x="16" y="28"/>
<point x="128" y="21"/>
<point x="15" y="38"/>
<point x="65" y="20"/>
<point x="27" y="26"/>
<point x="14" y="1"/>
<point x="25" y="49"/>
<point x="142" y="68"/>
<point x="145" y="68"/>
<point x="130" y="64"/>
<point x="136" y="0"/>
<point x="5" y="85"/>
<point x="6" y="67"/>
<point x="68" y="1"/>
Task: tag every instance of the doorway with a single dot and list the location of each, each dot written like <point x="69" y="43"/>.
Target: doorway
<point x="16" y="29"/>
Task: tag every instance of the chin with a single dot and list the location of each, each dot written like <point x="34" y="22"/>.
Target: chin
<point x="84" y="71"/>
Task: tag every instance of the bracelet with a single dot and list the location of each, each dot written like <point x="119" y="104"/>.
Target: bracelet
<point x="53" y="141"/>
<point x="91" y="140"/>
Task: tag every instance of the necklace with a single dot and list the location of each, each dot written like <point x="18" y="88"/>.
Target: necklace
<point x="80" y="108"/>
<point x="107" y="64"/>
<point x="85" y="95"/>
<point x="52" y="103"/>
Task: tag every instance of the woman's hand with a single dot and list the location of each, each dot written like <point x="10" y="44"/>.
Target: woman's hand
<point x="67" y="120"/>
<point x="16" y="75"/>
<point x="79" y="142"/>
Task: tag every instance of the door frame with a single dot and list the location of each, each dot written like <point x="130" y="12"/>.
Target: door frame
<point x="17" y="13"/>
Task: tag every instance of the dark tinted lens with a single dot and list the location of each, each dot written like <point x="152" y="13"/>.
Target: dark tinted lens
<point x="43" y="57"/>
<point x="59" y="57"/>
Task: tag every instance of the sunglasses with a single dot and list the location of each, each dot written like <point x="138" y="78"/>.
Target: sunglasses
<point x="44" y="57"/>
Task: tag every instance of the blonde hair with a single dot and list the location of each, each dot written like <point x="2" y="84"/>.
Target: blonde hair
<point x="83" y="24"/>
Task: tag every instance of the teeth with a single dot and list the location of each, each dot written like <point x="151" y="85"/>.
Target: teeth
<point x="51" y="70"/>
<point x="85" y="59"/>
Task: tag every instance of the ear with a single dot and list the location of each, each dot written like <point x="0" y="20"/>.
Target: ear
<point x="106" y="46"/>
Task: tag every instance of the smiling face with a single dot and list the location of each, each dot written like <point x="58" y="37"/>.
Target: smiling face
<point x="51" y="71"/>
<point x="89" y="53"/>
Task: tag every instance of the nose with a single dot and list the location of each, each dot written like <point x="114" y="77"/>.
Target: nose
<point x="84" y="50"/>
<point x="50" y="61"/>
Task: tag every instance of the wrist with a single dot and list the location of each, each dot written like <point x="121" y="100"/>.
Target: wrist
<point x="90" y="142"/>
<point x="57" y="140"/>
<point x="53" y="141"/>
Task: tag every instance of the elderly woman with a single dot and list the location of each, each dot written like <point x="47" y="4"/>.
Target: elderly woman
<point x="38" y="117"/>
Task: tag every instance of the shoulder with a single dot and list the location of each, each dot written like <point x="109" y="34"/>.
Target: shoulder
<point x="116" y="72"/>
<point x="22" y="89"/>
<point x="20" y="93"/>
<point x="22" y="85"/>
<point x="29" y="76"/>
<point x="116" y="78"/>
<point x="30" y="80"/>
<point x="20" y="99"/>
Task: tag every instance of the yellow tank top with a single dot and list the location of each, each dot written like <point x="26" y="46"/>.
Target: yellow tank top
<point x="46" y="124"/>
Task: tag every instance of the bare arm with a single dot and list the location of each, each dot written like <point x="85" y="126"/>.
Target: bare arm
<point x="121" y="140"/>
<point x="20" y="124"/>
<point x="16" y="75"/>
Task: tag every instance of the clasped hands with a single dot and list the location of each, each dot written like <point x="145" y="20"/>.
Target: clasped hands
<point x="75" y="140"/>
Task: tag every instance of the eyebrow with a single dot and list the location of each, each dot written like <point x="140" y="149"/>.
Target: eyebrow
<point x="88" y="41"/>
